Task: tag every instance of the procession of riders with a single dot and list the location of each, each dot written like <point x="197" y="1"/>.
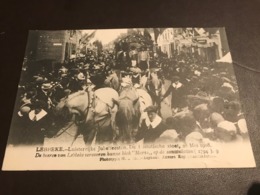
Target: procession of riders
<point x="204" y="99"/>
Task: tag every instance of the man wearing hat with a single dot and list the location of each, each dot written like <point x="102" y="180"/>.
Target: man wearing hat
<point x="77" y="82"/>
<point x="19" y="126"/>
<point x="98" y="80"/>
<point x="39" y="122"/>
<point x="133" y="56"/>
<point x="151" y="127"/>
<point x="143" y="58"/>
<point x="177" y="90"/>
<point x="43" y="94"/>
<point x="226" y="131"/>
<point x="123" y="60"/>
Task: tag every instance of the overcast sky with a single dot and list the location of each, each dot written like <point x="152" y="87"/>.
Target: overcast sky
<point x="106" y="36"/>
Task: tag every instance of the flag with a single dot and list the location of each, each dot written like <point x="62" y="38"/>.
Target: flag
<point x="200" y="31"/>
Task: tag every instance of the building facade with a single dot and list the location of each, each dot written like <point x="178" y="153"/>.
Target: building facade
<point x="56" y="46"/>
<point x="207" y="43"/>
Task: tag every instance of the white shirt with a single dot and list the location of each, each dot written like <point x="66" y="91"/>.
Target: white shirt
<point x="176" y="86"/>
<point x="155" y="122"/>
<point x="38" y="116"/>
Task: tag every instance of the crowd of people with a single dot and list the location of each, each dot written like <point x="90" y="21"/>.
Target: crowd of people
<point x="204" y="95"/>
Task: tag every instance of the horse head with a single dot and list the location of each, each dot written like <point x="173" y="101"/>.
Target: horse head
<point x="128" y="114"/>
<point x="156" y="84"/>
<point x="76" y="106"/>
<point x="112" y="81"/>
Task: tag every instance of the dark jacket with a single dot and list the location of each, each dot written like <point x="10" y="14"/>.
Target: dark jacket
<point x="150" y="134"/>
<point x="36" y="130"/>
<point x="178" y="96"/>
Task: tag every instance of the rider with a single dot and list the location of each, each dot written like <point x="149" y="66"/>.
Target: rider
<point x="143" y="58"/>
<point x="136" y="76"/>
<point x="77" y="82"/>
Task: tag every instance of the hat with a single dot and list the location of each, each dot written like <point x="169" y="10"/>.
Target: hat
<point x="227" y="86"/>
<point x="81" y="76"/>
<point x="216" y="118"/>
<point x="201" y="111"/>
<point x="86" y="66"/>
<point x="25" y="109"/>
<point x="151" y="109"/>
<point x="96" y="67"/>
<point x="227" y="126"/>
<point x="135" y="70"/>
<point x="63" y="70"/>
<point x="39" y="79"/>
<point x="64" y="75"/>
<point x="175" y="78"/>
<point x="46" y="86"/>
<point x="168" y="136"/>
<point x="194" y="137"/>
<point x="67" y="91"/>
<point x="225" y="79"/>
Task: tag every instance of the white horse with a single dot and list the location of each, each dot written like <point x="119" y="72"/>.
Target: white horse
<point x="93" y="112"/>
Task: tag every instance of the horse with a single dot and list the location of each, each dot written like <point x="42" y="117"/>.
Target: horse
<point x="131" y="105"/>
<point x="112" y="81"/>
<point x="128" y="115"/>
<point x="104" y="114"/>
<point x="145" y="101"/>
<point x="92" y="112"/>
<point x="155" y="88"/>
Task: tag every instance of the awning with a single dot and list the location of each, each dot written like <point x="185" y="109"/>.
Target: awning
<point x="225" y="59"/>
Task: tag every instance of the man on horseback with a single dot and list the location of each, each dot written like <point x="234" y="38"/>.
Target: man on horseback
<point x="123" y="60"/>
<point x="143" y="58"/>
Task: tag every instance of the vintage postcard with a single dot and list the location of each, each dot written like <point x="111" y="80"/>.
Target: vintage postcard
<point x="115" y="99"/>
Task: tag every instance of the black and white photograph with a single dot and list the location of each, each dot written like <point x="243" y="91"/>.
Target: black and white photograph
<point x="136" y="98"/>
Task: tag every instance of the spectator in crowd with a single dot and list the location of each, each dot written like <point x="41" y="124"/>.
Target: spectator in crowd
<point x="39" y="122"/>
<point x="143" y="58"/>
<point x="20" y="124"/>
<point x="133" y="56"/>
<point x="177" y="90"/>
<point x="151" y="127"/>
<point x="77" y="82"/>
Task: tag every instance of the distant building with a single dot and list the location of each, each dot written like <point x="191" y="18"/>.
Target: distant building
<point x="206" y="42"/>
<point x="168" y="40"/>
<point x="56" y="46"/>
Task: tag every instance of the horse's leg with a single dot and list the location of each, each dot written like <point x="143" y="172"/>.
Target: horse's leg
<point x="104" y="135"/>
<point x="158" y="102"/>
<point x="74" y="139"/>
<point x="89" y="133"/>
<point x="153" y="99"/>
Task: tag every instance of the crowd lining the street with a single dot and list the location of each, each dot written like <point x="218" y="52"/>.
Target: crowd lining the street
<point x="205" y="102"/>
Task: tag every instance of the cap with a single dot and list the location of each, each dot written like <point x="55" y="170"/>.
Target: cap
<point x="151" y="109"/>
<point x="81" y="76"/>
<point x="175" y="78"/>
<point x="46" y="85"/>
<point x="25" y="109"/>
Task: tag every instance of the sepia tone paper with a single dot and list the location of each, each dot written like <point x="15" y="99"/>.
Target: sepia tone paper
<point x="142" y="98"/>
